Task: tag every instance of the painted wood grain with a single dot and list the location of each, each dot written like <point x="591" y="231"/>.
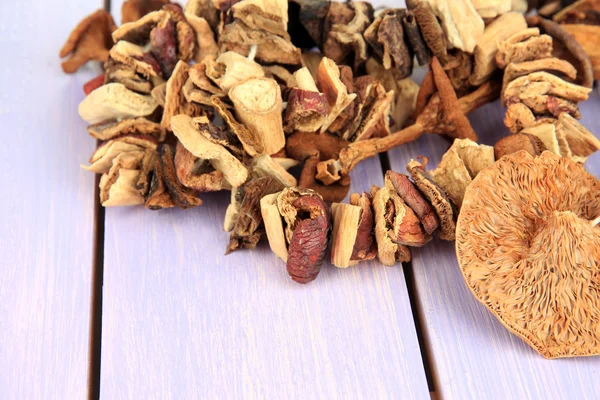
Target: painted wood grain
<point x="472" y="355"/>
<point x="47" y="207"/>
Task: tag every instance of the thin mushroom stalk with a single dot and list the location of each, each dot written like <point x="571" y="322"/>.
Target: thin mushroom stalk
<point x="435" y="118"/>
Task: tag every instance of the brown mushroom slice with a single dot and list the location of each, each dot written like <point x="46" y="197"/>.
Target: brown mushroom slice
<point x="436" y="196"/>
<point x="118" y="185"/>
<point x="274" y="225"/>
<point x="270" y="16"/>
<point x="204" y="9"/>
<point x="258" y="105"/>
<point x="135" y="58"/>
<point x="139" y="126"/>
<point x="182" y="196"/>
<point x="113" y="101"/>
<point x="388" y="252"/>
<point x="518" y="117"/>
<point x="121" y="73"/>
<point x="197" y="74"/>
<point x="492" y="8"/>
<point x="386" y="36"/>
<point x="250" y="141"/>
<point x="329" y="83"/>
<point x="239" y="37"/>
<point x="174" y="96"/>
<point x="196" y="173"/>
<point x="581" y="141"/>
<point x="409" y="193"/>
<point x="351" y="34"/>
<point x="246" y="233"/>
<point x="138" y="32"/>
<point x="365" y="247"/>
<point x="90" y="40"/>
<point x="185" y="129"/>
<point x="541" y="279"/>
<point x="517" y="69"/>
<point x="158" y="196"/>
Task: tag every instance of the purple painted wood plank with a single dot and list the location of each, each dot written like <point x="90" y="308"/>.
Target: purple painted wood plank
<point x="181" y="320"/>
<point x="47" y="204"/>
<point x="472" y="354"/>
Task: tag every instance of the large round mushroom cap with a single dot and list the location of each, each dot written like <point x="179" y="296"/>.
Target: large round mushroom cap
<point x="528" y="245"/>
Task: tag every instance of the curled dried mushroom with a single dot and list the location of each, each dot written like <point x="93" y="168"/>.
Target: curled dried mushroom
<point x="541" y="279"/>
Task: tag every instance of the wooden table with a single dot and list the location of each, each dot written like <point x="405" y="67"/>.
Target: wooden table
<point x="181" y="320"/>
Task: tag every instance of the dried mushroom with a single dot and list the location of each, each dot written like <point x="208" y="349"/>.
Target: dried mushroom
<point x="386" y="203"/>
<point x="185" y="129"/>
<point x="196" y="173"/>
<point x="246" y="231"/>
<point x="181" y="196"/>
<point x="136" y="126"/>
<point x="231" y="68"/>
<point x="132" y="10"/>
<point x="525" y="45"/>
<point x="114" y="100"/>
<point x="205" y="38"/>
<point x="258" y="105"/>
<point x="437" y="198"/>
<point x="90" y="40"/>
<point x="118" y="185"/>
<point x="541" y="279"/>
<point x="307" y="232"/>
<point x="329" y="83"/>
<point x="270" y="16"/>
<point x="582" y="142"/>
<point x="518" y="142"/>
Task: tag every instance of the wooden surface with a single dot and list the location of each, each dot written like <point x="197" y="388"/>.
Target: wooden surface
<point x="472" y="355"/>
<point x="181" y="320"/>
<point x="47" y="203"/>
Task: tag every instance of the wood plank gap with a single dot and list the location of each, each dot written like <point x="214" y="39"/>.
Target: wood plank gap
<point x="95" y="344"/>
<point x="409" y="277"/>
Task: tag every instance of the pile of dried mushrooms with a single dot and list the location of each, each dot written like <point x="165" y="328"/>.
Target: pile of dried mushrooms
<point x="324" y="85"/>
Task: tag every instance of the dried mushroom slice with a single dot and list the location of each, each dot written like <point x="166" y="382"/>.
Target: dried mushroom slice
<point x="205" y="37"/>
<point x="546" y="133"/>
<point x="384" y="205"/>
<point x="203" y="9"/>
<point x="544" y="83"/>
<point x="274" y="225"/>
<point x="436" y="196"/>
<point x="113" y="101"/>
<point x="518" y="117"/>
<point x="182" y="197"/>
<point x="102" y="158"/>
<point x="251" y="142"/>
<point x="246" y="230"/>
<point x="134" y="57"/>
<point x="365" y="247"/>
<point x="346" y="219"/>
<point x="265" y="165"/>
<point x="518" y="142"/>
<point x="138" y="126"/>
<point x="196" y="173"/>
<point x="258" y="105"/>
<point x="121" y="73"/>
<point x="158" y="196"/>
<point x="526" y="45"/>
<point x="138" y="32"/>
<point x="90" y="40"/>
<point x="452" y="176"/>
<point x="270" y="16"/>
<point x="118" y="185"/>
<point x="476" y="157"/>
<point x="581" y="141"/>
<point x="199" y="78"/>
<point x="555" y="65"/>
<point x="329" y="83"/>
<point x="541" y="279"/>
<point x="175" y="101"/>
<point x="387" y="38"/>
<point x="185" y="129"/>
<point x="231" y="68"/>
<point x="239" y="37"/>
<point x="348" y="37"/>
<point x="409" y="193"/>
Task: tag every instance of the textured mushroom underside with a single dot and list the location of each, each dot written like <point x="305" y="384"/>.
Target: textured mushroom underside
<point x="528" y="250"/>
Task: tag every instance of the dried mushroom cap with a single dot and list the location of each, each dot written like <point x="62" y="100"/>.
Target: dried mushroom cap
<point x="518" y="142"/>
<point x="114" y="100"/>
<point x="191" y="138"/>
<point x="541" y="279"/>
<point x="270" y="16"/>
<point x="436" y="196"/>
<point x="384" y="202"/>
<point x="90" y="40"/>
<point x="139" y="126"/>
